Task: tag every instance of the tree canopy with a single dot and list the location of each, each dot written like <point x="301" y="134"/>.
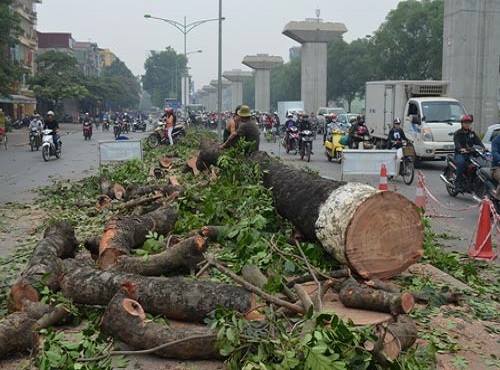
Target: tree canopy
<point x="164" y="70"/>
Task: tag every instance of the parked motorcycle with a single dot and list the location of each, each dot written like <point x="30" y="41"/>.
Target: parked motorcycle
<point x="49" y="147"/>
<point x="87" y="131"/>
<point x="35" y="139"/>
<point x="139" y="126"/>
<point x="477" y="177"/>
<point x="292" y="143"/>
<point x="159" y="137"/>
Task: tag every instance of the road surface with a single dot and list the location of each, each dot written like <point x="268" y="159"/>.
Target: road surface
<point x="23" y="171"/>
<point x="457" y="228"/>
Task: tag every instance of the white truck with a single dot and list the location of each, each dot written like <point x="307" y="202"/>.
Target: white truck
<point x="429" y="118"/>
<point x="285" y="107"/>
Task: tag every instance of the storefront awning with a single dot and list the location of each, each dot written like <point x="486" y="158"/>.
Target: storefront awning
<point x="17" y="99"/>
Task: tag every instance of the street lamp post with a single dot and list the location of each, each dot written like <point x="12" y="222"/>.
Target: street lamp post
<point x="219" y="87"/>
<point x="185" y="28"/>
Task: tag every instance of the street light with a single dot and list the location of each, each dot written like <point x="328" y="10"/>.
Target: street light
<point x="185" y="28"/>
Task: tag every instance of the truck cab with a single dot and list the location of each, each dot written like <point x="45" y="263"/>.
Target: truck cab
<point x="431" y="123"/>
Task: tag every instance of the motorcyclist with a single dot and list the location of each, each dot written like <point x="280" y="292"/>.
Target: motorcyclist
<point x="288" y="126"/>
<point x="357" y="128"/>
<point x="495" y="164"/>
<point x="304" y="124"/>
<point x="396" y="136"/>
<point x="52" y="124"/>
<point x="36" y="123"/>
<point x="464" y="139"/>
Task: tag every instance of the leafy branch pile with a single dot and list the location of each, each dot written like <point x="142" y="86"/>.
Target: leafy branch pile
<point x="229" y="209"/>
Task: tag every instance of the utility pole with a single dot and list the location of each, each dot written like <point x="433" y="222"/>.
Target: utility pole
<point x="219" y="87"/>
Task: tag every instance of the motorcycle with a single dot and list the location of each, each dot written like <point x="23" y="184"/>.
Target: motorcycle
<point x="126" y="127"/>
<point x="35" y="139"/>
<point x="159" y="137"/>
<point x="362" y="138"/>
<point x="270" y="134"/>
<point x="306" y="140"/>
<point x="105" y="126"/>
<point x="139" y="126"/>
<point x="291" y="141"/>
<point x="117" y="129"/>
<point x="477" y="177"/>
<point x="333" y="147"/>
<point x="87" y="131"/>
<point x="49" y="147"/>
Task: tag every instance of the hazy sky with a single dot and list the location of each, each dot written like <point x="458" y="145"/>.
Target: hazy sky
<point x="251" y="26"/>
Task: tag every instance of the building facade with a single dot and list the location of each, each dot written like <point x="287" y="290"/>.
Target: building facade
<point x="89" y="58"/>
<point x="471" y="57"/>
<point x="107" y="57"/>
<point x="23" y="101"/>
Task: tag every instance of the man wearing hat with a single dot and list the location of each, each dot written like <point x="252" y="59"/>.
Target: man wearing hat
<point x="247" y="129"/>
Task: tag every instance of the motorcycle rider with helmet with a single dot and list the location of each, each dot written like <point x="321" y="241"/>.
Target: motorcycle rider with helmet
<point x="304" y="124"/>
<point x="464" y="138"/>
<point x="357" y="132"/>
<point x="288" y="125"/>
<point x="396" y="135"/>
<point x="52" y="124"/>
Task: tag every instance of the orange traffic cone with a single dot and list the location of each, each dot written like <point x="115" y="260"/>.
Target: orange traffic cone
<point x="420" y="200"/>
<point x="482" y="248"/>
<point x="382" y="186"/>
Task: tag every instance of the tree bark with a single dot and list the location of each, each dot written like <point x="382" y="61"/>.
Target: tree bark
<point x="377" y="234"/>
<point x="121" y="235"/>
<point x="253" y="275"/>
<point x="394" y="339"/>
<point x="18" y="331"/>
<point x="182" y="258"/>
<point x="44" y="265"/>
<point x="124" y="320"/>
<point x="355" y="295"/>
<point x="137" y="192"/>
<point x="174" y="297"/>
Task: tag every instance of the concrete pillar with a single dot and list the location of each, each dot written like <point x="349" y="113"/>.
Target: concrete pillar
<point x="237" y="77"/>
<point x="314" y="35"/>
<point x="211" y="99"/>
<point x="262" y="64"/>
<point x="471" y="57"/>
<point x="202" y="98"/>
<point x="225" y="85"/>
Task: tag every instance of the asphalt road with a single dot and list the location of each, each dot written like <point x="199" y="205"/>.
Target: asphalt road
<point x="457" y="227"/>
<point x="23" y="171"/>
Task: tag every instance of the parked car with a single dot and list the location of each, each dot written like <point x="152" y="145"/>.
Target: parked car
<point x="489" y="133"/>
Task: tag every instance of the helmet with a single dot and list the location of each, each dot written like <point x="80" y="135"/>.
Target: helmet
<point x="290" y="115"/>
<point x="334" y="115"/>
<point x="50" y="113"/>
<point x="397" y="121"/>
<point x="352" y="120"/>
<point x="361" y="119"/>
<point x="466" y="118"/>
<point x="87" y="113"/>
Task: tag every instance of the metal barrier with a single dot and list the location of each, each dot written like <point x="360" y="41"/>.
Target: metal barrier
<point x="119" y="151"/>
<point x="368" y="162"/>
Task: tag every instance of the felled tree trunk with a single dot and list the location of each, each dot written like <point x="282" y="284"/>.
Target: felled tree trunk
<point x="18" y="331"/>
<point x="355" y="295"/>
<point x="45" y="264"/>
<point x="137" y="192"/>
<point x="209" y="154"/>
<point x="394" y="339"/>
<point x="182" y="258"/>
<point x="121" y="235"/>
<point x="124" y="320"/>
<point x="377" y="234"/>
<point x="175" y="297"/>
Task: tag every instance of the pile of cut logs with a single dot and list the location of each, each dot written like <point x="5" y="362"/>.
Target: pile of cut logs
<point x="376" y="235"/>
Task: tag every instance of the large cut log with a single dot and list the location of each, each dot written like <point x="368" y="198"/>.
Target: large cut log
<point x="124" y="320"/>
<point x="377" y="234"/>
<point x="176" y="298"/>
<point x="355" y="295"/>
<point x="182" y="258"/>
<point x="121" y="235"/>
<point x="19" y="330"/>
<point x="44" y="266"/>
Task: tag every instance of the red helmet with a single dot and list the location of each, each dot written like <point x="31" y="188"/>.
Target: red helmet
<point x="467" y="118"/>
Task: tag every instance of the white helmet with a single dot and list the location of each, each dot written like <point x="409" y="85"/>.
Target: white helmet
<point x="50" y="113"/>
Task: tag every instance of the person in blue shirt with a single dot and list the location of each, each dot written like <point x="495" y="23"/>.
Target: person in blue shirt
<point x="495" y="164"/>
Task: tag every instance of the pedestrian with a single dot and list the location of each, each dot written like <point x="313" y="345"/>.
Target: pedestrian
<point x="232" y="124"/>
<point x="247" y="130"/>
